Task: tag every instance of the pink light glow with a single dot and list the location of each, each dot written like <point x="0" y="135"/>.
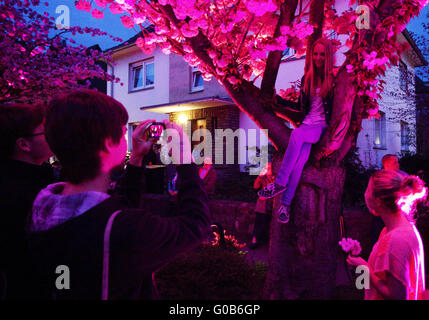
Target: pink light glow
<point x="406" y="203"/>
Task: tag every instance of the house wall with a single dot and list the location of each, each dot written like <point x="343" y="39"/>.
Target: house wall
<point x="397" y="105"/>
<point x="180" y="80"/>
<point x="226" y="117"/>
<point x="133" y="101"/>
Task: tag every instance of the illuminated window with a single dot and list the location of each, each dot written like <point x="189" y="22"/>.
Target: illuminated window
<point x="142" y="75"/>
<point x="197" y="80"/>
<point x="405" y="136"/>
<point x="380" y="131"/>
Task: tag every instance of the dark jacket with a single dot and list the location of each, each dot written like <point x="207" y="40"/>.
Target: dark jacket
<point x="20" y="182"/>
<point x="210" y="180"/>
<point x="140" y="243"/>
<point x="303" y="105"/>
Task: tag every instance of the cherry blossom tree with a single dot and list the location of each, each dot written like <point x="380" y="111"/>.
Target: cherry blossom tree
<point x="36" y="59"/>
<point x="241" y="42"/>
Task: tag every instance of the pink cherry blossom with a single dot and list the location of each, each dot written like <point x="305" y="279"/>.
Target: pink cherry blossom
<point x="233" y="80"/>
<point x="227" y="28"/>
<point x="115" y="8"/>
<point x="165" y="47"/>
<point x="261" y="7"/>
<point x="148" y="49"/>
<point x="239" y="34"/>
<point x="257" y="54"/>
<point x="187" y="48"/>
<point x="58" y="63"/>
<point x="350" y="246"/>
<point x="127" y="21"/>
<point x="373" y="112"/>
<point x="97" y="14"/>
<point x="221" y="63"/>
<point x="139" y="18"/>
<point x="83" y="5"/>
<point x="202" y="23"/>
<point x="140" y="42"/>
<point x="187" y="31"/>
<point x="101" y="3"/>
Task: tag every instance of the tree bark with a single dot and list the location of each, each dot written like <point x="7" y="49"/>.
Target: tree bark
<point x="303" y="253"/>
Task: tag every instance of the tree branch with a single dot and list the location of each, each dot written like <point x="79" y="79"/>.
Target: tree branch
<point x="287" y="14"/>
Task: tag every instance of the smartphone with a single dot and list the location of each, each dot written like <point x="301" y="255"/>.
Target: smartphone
<point x="155" y="130"/>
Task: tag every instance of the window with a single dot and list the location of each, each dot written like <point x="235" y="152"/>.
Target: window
<point x="142" y="75"/>
<point x="197" y="80"/>
<point x="403" y="76"/>
<point x="380" y="131"/>
<point x="289" y="52"/>
<point x="405" y="136"/>
<point x="131" y="128"/>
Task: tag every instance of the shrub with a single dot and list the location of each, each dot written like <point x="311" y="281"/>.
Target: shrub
<point x="214" y="271"/>
<point x="357" y="177"/>
<point x="415" y="164"/>
<point x="238" y="189"/>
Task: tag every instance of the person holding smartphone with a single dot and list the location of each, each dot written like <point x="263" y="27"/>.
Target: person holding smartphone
<point x="76" y="223"/>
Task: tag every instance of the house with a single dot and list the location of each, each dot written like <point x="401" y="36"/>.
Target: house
<point x="422" y="119"/>
<point x="163" y="86"/>
<point x="395" y="131"/>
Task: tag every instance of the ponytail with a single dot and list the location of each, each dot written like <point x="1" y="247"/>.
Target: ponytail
<point x="395" y="191"/>
<point x="411" y="190"/>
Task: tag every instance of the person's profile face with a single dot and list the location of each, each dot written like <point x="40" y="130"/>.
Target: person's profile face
<point x="39" y="147"/>
<point x="118" y="160"/>
<point x="370" y="202"/>
<point x="396" y="164"/>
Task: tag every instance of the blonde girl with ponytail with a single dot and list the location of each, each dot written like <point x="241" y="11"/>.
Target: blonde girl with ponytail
<point x="396" y="262"/>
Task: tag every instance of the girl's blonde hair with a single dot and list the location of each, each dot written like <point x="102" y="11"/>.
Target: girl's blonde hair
<point x="388" y="187"/>
<point x="327" y="76"/>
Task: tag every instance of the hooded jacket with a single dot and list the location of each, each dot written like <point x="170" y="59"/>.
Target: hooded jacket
<point x="69" y="230"/>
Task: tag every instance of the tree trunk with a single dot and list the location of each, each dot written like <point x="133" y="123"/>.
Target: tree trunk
<point x="303" y="253"/>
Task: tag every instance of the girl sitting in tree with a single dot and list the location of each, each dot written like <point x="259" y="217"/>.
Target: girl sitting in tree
<point x="315" y="102"/>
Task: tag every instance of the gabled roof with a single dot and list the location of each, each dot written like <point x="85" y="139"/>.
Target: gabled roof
<point x="416" y="49"/>
<point x="131" y="41"/>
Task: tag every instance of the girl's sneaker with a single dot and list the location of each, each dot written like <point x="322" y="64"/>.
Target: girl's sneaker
<point x="283" y="214"/>
<point x="270" y="191"/>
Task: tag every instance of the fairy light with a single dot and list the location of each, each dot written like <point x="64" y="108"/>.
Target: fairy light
<point x="405" y="203"/>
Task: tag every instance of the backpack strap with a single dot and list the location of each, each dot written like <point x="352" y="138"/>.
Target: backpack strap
<point x="106" y="256"/>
